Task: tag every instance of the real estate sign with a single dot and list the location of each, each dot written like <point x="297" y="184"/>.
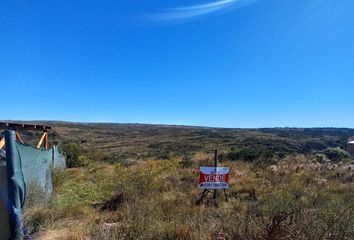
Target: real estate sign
<point x="214" y="178"/>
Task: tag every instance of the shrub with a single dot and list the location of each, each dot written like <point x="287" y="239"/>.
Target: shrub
<point x="74" y="156"/>
<point x="72" y="152"/>
<point x="321" y="158"/>
<point x="336" y="154"/>
<point x="83" y="161"/>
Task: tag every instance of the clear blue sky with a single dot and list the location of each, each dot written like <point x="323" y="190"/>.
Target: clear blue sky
<point x="230" y="63"/>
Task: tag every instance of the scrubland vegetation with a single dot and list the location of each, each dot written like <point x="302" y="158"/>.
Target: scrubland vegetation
<point x="273" y="194"/>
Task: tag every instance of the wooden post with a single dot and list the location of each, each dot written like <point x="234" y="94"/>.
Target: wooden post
<point x="19" y="138"/>
<point x="41" y="140"/>
<point x="16" y="127"/>
<point x="46" y="139"/>
<point x="2" y="143"/>
<point x="215" y="166"/>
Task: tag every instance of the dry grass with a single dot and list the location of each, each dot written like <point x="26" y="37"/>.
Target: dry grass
<point x="157" y="200"/>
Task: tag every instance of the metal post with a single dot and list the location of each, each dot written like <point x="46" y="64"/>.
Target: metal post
<point x="215" y="166"/>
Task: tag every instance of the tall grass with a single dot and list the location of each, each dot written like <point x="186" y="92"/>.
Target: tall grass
<point x="156" y="200"/>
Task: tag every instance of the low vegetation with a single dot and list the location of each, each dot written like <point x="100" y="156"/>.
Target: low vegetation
<point x="297" y="198"/>
<point x="118" y="142"/>
<point x="336" y="154"/>
<point x="140" y="182"/>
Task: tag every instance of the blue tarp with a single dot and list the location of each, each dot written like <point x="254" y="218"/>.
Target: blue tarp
<point x="27" y="171"/>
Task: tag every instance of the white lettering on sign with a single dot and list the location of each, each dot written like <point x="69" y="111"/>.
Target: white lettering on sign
<point x="214" y="178"/>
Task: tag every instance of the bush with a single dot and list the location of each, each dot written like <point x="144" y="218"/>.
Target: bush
<point x="321" y="158"/>
<point x="83" y="161"/>
<point x="336" y="154"/>
<point x="74" y="156"/>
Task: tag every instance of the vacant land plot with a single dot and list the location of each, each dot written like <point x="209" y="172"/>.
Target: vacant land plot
<point x="140" y="182"/>
<point x="294" y="199"/>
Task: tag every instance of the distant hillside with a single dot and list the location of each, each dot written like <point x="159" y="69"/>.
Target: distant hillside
<point x="164" y="141"/>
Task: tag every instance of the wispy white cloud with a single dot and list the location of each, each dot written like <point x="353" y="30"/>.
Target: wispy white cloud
<point x="189" y="12"/>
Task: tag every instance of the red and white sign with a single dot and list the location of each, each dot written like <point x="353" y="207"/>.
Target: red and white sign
<point x="214" y="178"/>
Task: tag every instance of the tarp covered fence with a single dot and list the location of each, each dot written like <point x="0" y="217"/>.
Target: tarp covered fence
<point x="25" y="173"/>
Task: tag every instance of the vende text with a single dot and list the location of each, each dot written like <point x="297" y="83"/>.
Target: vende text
<point x="214" y="178"/>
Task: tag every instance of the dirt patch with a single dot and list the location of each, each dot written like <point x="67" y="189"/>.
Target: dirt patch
<point x="113" y="204"/>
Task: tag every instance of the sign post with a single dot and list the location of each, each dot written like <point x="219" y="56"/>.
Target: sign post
<point x="214" y="178"/>
<point x="215" y="166"/>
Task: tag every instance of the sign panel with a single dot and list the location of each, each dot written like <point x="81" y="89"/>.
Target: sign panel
<point x="214" y="178"/>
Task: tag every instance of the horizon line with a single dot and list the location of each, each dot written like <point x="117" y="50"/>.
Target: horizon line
<point x="174" y="124"/>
